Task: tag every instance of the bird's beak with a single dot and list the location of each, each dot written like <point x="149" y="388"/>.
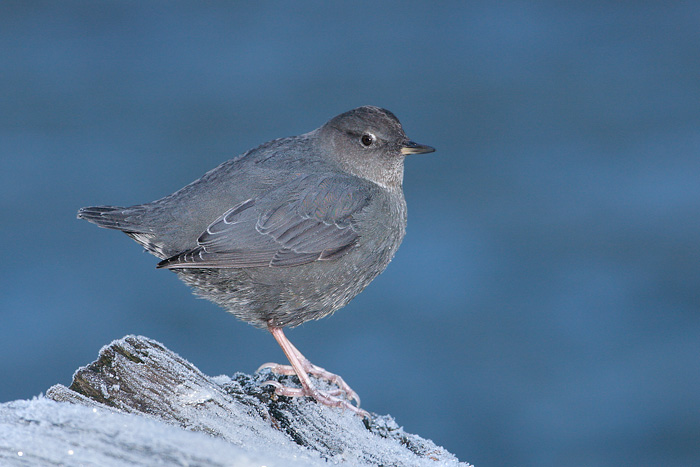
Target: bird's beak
<point x="410" y="147"/>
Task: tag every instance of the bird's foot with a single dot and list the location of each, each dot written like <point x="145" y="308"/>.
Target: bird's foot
<point x="301" y="367"/>
<point x="343" y="388"/>
<point x="328" y="398"/>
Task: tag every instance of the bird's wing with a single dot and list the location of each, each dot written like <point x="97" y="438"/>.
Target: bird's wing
<point x="309" y="219"/>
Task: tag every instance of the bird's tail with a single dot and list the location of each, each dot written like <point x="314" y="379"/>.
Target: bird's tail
<point x="131" y="221"/>
<point x="113" y="217"/>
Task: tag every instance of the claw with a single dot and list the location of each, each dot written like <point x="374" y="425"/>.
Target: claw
<point x="286" y="370"/>
<point x="272" y="383"/>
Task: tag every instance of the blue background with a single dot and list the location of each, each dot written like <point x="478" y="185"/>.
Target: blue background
<point x="544" y="306"/>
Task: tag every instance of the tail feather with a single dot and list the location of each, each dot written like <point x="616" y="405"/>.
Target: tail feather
<point x="114" y="217"/>
<point x="128" y="220"/>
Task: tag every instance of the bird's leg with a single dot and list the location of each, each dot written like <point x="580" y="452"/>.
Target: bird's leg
<point x="326" y="375"/>
<point x="301" y="367"/>
<point x="313" y="370"/>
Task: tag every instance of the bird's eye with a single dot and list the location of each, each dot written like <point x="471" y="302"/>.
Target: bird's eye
<point x="367" y="139"/>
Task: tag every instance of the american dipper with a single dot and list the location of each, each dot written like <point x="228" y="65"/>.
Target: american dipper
<point x="288" y="232"/>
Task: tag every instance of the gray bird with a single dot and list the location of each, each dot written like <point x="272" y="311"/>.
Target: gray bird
<point x="288" y="232"/>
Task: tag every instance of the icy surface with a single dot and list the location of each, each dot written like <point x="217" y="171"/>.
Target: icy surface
<point x="140" y="404"/>
<point x="43" y="432"/>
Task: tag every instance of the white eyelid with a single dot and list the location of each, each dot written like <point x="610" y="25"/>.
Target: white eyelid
<point x="372" y="137"/>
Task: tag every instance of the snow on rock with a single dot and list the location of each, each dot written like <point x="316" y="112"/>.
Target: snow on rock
<point x="141" y="404"/>
<point x="42" y="432"/>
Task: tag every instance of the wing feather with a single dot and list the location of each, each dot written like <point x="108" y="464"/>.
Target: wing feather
<point x="307" y="220"/>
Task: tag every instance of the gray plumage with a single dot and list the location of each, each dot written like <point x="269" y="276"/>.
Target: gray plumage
<point x="289" y="231"/>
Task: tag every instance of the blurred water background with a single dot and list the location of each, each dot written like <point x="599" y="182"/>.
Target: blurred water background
<point x="544" y="306"/>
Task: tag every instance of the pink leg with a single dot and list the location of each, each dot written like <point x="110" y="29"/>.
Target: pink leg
<point x="300" y="366"/>
<point x="317" y="371"/>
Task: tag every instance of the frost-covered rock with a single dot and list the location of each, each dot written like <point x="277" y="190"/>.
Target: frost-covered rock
<point x="141" y="404"/>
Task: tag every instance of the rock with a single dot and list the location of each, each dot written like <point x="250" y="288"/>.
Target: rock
<point x="136" y="375"/>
